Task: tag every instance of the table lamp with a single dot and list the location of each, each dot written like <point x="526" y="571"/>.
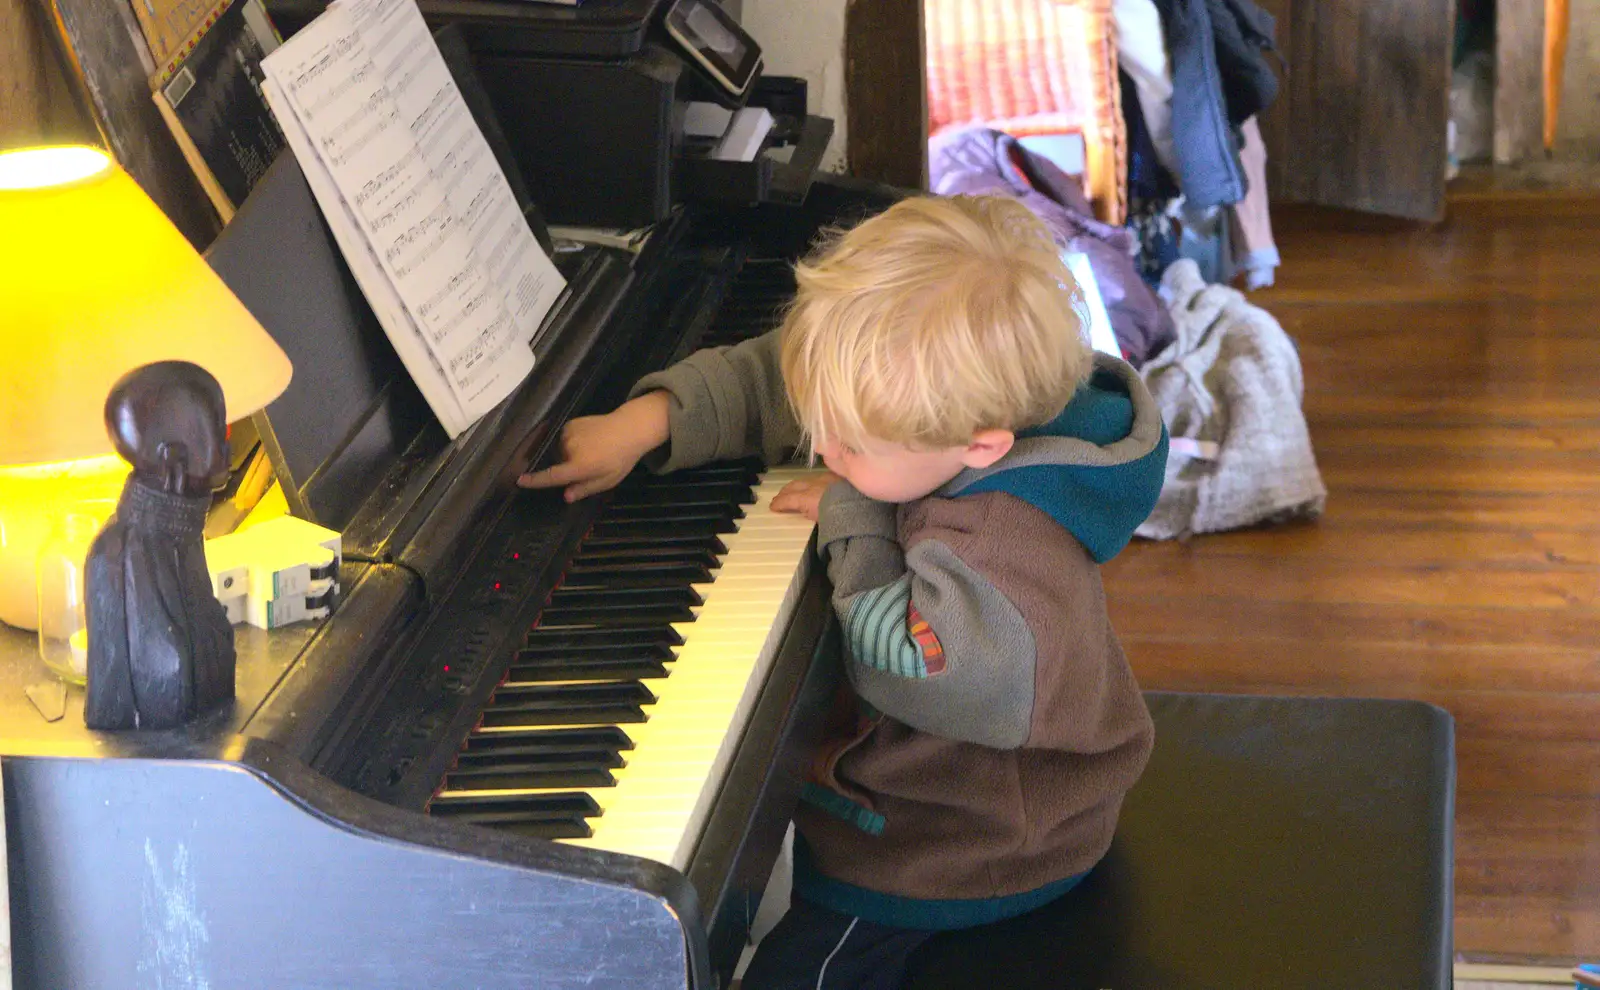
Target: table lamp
<point x="95" y="282"/>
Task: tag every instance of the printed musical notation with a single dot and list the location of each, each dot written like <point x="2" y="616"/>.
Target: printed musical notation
<point x="417" y="201"/>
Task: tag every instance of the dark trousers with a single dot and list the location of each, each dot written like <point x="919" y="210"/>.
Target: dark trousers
<point x="815" y="948"/>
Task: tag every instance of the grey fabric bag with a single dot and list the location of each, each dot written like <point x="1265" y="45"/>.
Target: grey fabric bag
<point x="1230" y="390"/>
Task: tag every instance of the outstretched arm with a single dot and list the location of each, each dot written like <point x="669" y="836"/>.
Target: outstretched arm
<point x="597" y="452"/>
<point x="717" y="404"/>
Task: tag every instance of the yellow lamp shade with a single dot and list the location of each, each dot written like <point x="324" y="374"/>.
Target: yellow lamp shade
<point x="94" y="282"/>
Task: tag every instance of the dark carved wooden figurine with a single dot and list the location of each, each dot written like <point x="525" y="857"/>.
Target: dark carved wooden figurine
<point x="160" y="647"/>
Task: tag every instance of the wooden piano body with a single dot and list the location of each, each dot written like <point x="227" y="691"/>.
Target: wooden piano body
<point x="288" y="840"/>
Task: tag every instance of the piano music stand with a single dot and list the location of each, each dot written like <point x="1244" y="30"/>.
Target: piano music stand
<point x="352" y="412"/>
<point x="1273" y="842"/>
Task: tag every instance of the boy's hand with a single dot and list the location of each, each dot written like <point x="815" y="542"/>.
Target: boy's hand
<point x="597" y="452"/>
<point x="803" y="496"/>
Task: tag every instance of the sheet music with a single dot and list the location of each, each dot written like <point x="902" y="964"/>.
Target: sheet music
<point x="458" y="153"/>
<point x="368" y="271"/>
<point x="416" y="201"/>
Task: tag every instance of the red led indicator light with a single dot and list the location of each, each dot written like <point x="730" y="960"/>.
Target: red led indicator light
<point x="497" y="586"/>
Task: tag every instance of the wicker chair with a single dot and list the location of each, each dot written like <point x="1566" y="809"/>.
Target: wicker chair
<point x="1033" y="67"/>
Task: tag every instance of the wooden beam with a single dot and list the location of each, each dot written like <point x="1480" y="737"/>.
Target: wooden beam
<point x="109" y="63"/>
<point x="1276" y="121"/>
<point x="886" y="92"/>
<point x="36" y="104"/>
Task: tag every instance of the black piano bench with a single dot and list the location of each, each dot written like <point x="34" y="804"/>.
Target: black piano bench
<point x="1273" y="843"/>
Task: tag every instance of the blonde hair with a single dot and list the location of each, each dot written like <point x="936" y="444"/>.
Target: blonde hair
<point x="931" y="321"/>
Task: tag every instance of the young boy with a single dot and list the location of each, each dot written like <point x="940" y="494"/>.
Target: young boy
<point x="983" y="462"/>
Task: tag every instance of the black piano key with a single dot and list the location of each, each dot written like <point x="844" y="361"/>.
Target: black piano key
<point x="585" y="668"/>
<point x="640" y="576"/>
<point x="582" y="695"/>
<point x="658" y="531"/>
<point x="600" y="616"/>
<point x="574" y="624"/>
<point x="519" y="774"/>
<point x="541" y="637"/>
<point x="605" y="737"/>
<point x="735" y="491"/>
<point x="568" y="704"/>
<point x="543" y="804"/>
<point x="614" y="648"/>
<point x="602" y="608"/>
<point x="548" y="827"/>
<point x="496" y="716"/>
<point x="670" y="513"/>
<point x="563" y="828"/>
<point x="558" y="815"/>
<point x="723" y="471"/>
<point x="724" y="498"/>
<point x="607" y="596"/>
<point x="589" y="757"/>
<point x="595" y="558"/>
<point x="628" y="544"/>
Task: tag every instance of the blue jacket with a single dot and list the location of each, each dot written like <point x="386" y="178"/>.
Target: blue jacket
<point x="1220" y="79"/>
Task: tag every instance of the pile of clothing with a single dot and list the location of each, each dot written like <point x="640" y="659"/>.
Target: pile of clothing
<point x="981" y="161"/>
<point x="1231" y="392"/>
<point x="1226" y="375"/>
<point x="1195" y="75"/>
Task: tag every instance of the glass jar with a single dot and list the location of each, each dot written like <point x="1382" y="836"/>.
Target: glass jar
<point x="63" y="623"/>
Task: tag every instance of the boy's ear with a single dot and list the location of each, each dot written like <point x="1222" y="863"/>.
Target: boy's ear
<point x="988" y="446"/>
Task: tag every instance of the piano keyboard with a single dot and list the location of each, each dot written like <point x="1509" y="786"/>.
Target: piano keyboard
<point x="619" y="716"/>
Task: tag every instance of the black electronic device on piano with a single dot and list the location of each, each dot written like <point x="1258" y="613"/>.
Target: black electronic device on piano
<point x="538" y="744"/>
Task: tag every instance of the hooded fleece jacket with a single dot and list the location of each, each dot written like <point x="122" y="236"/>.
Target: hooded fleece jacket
<point x="976" y="765"/>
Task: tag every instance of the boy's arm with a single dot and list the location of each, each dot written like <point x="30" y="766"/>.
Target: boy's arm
<point x="932" y="641"/>
<point x="725" y="402"/>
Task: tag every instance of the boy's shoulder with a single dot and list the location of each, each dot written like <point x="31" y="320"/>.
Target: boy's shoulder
<point x="995" y="532"/>
<point x="1033" y="589"/>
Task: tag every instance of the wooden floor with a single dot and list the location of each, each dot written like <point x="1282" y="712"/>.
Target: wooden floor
<point x="1453" y="390"/>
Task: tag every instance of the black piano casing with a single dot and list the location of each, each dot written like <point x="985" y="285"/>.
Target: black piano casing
<point x="596" y="140"/>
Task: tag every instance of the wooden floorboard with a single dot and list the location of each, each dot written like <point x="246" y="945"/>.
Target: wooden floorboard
<point x="1453" y="391"/>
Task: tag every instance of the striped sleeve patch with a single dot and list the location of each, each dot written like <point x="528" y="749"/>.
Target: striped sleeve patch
<point x="927" y="642"/>
<point x="886" y="633"/>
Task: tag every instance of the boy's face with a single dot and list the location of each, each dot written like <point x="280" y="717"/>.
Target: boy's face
<point x="892" y="472"/>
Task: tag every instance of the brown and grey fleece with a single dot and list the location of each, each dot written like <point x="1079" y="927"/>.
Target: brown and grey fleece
<point x="978" y="762"/>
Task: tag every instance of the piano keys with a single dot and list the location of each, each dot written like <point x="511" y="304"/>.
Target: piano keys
<point x="619" y="715"/>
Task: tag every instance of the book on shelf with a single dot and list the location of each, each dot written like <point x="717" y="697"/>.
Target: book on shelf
<point x="170" y="24"/>
<point x="209" y="93"/>
<point x="416" y="201"/>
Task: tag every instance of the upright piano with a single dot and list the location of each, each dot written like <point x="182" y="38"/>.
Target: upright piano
<point x="536" y="745"/>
